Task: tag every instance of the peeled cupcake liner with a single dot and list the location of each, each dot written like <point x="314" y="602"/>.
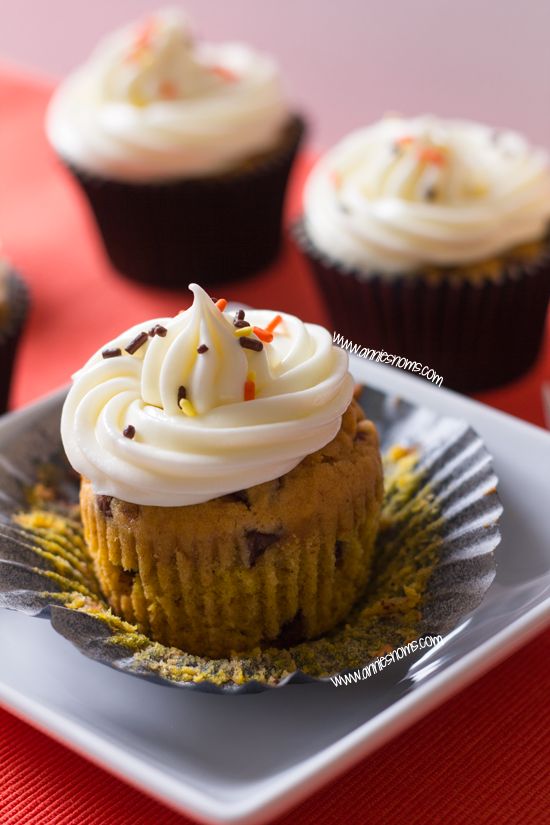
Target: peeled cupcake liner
<point x="440" y="518"/>
<point x="210" y="229"/>
<point x="477" y="335"/>
<point x="10" y="332"/>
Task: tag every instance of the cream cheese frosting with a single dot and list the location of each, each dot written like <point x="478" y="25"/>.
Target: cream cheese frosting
<point x="151" y="104"/>
<point x="404" y="194"/>
<point x="178" y="411"/>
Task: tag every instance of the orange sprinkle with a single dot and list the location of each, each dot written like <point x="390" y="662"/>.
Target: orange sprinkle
<point x="431" y="155"/>
<point x="263" y="334"/>
<point x="335" y="178"/>
<point x="405" y="140"/>
<point x="143" y="38"/>
<point x="249" y="390"/>
<point x="274" y="323"/>
<point x="221" y="303"/>
<point x="167" y="90"/>
<point x="226" y="74"/>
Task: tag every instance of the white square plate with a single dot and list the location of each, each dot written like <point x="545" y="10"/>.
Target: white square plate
<point x="245" y="759"/>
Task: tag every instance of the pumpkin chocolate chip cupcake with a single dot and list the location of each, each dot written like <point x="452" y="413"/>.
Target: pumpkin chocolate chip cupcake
<point x="182" y="148"/>
<point x="231" y="486"/>
<point x="429" y="239"/>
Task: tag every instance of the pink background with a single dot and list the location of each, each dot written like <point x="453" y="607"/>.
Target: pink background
<point x="345" y="61"/>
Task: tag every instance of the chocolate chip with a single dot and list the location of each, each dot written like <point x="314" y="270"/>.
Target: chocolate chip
<point x="339" y="548"/>
<point x="291" y="632"/>
<point x="129" y="431"/>
<point x="239" y="495"/>
<point x="111" y="353"/>
<point x="258" y="543"/>
<point x="251" y="343"/>
<point x="104" y="504"/>
<point x="137" y="342"/>
<point x="159" y="330"/>
<point x="203" y="348"/>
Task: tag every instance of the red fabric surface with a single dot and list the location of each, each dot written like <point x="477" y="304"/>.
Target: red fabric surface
<point x="482" y="757"/>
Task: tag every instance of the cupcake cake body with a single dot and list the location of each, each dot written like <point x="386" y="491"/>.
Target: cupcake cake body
<point x="424" y="233"/>
<point x="231" y="487"/>
<point x="166" y="123"/>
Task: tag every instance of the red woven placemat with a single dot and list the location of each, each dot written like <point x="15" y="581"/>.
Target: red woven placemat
<point x="482" y="757"/>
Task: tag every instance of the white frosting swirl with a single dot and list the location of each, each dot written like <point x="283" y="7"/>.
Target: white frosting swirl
<point x="404" y="194"/>
<point x="151" y="104"/>
<point x="302" y="387"/>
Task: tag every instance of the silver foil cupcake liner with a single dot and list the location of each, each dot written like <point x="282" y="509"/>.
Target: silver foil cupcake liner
<point x="435" y="555"/>
<point x="10" y="332"/>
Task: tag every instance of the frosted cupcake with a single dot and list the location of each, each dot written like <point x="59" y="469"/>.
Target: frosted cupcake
<point x="13" y="312"/>
<point x="429" y="240"/>
<point x="182" y="148"/>
<point x="231" y="486"/>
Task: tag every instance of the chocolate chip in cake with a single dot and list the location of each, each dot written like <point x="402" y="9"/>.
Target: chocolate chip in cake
<point x="292" y="632"/>
<point x="104" y="504"/>
<point x="111" y="353"/>
<point x="339" y="548"/>
<point x="258" y="543"/>
<point x="239" y="495"/>
<point x="137" y="342"/>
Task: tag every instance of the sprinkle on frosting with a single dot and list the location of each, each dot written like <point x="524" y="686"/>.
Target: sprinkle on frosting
<point x="221" y="303"/>
<point x="251" y="343"/>
<point x="250" y="387"/>
<point x="204" y="423"/>
<point x="239" y="315"/>
<point x="202" y="349"/>
<point x="159" y="330"/>
<point x="245" y="329"/>
<point x="274" y="323"/>
<point x="136" y="343"/>
<point x="263" y="334"/>
<point x="112" y="353"/>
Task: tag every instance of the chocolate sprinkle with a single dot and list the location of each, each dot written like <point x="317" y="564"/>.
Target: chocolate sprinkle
<point x="251" y="343"/>
<point x="129" y="431"/>
<point x="138" y="342"/>
<point x="431" y="193"/>
<point x="202" y="348"/>
<point x="111" y="353"/>
<point x="104" y="504"/>
<point x="258" y="543"/>
<point x="159" y="330"/>
<point x="239" y="315"/>
<point x="241" y="324"/>
<point x="182" y="394"/>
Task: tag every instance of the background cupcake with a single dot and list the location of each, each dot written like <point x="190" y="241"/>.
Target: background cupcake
<point x="231" y="488"/>
<point x="183" y="150"/>
<point x="429" y="240"/>
<point x="13" y="311"/>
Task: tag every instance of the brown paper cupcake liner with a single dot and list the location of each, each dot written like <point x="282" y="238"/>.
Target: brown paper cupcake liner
<point x="10" y="332"/>
<point x="207" y="229"/>
<point x="475" y="334"/>
<point x="434" y="558"/>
